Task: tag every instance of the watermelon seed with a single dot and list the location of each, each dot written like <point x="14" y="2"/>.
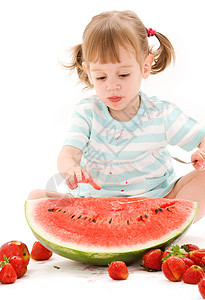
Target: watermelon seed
<point x="85" y="218"/>
<point x="51" y="209"/>
<point x="94" y="221"/>
<point x="160" y="209"/>
<point x="169" y="209"/>
<point x="89" y="219"/>
<point x="110" y="221"/>
<point x="79" y="217"/>
<point x="56" y="267"/>
<point x="141" y="218"/>
<point x="156" y="210"/>
<point x="128" y="223"/>
<point x="72" y="216"/>
<point x="59" y="209"/>
<point x="64" y="211"/>
<point x="146" y="216"/>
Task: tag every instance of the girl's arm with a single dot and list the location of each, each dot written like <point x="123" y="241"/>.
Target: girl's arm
<point x="68" y="158"/>
<point x="199" y="156"/>
<point x="69" y="167"/>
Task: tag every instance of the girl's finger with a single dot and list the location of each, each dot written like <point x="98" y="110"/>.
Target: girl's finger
<point x="78" y="175"/>
<point x="201" y="165"/>
<point x="68" y="184"/>
<point x="71" y="182"/>
<point x="199" y="156"/>
<point x="89" y="179"/>
<point x="95" y="185"/>
<point x="85" y="175"/>
<point x="197" y="167"/>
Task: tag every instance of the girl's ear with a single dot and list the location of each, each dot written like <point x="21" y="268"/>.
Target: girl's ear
<point x="147" y="66"/>
<point x="85" y="67"/>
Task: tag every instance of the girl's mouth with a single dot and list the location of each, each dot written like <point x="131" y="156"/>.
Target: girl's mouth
<point x="115" y="98"/>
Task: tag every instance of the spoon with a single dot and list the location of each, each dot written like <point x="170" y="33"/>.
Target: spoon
<point x="184" y="162"/>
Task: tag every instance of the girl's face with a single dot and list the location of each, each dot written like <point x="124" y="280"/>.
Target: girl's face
<point x="117" y="84"/>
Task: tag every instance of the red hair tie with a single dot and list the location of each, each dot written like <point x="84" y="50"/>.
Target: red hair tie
<point x="151" y="32"/>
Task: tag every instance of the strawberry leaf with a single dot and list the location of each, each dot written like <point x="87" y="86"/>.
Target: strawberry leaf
<point x="185" y="247"/>
<point x="147" y="269"/>
<point x="6" y="259"/>
<point x="4" y="262"/>
<point x="174" y="250"/>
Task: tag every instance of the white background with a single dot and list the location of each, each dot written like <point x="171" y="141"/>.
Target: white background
<point x="37" y="96"/>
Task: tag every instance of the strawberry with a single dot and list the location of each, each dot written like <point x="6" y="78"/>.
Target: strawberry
<point x="118" y="270"/>
<point x="201" y="287"/>
<point x="8" y="274"/>
<point x="17" y="263"/>
<point x="196" y="256"/>
<point x="188" y="262"/>
<point x="173" y="268"/>
<point x="152" y="260"/>
<point x="189" y="247"/>
<point x="39" y="252"/>
<point x="174" y="250"/>
<point x="193" y="275"/>
<point x="203" y="262"/>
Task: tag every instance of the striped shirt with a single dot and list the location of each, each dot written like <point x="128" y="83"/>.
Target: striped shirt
<point x="130" y="158"/>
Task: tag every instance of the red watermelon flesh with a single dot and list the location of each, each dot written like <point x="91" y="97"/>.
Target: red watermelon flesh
<point x="94" y="229"/>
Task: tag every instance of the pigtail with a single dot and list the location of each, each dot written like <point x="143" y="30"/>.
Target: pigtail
<point x="163" y="55"/>
<point x="76" y="64"/>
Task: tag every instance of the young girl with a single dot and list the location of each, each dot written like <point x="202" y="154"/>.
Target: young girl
<point x="116" y="144"/>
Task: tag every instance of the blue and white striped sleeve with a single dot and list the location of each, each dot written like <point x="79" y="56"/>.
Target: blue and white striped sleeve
<point x="80" y="126"/>
<point x="182" y="130"/>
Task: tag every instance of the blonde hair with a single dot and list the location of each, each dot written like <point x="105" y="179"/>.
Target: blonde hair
<point x="109" y="30"/>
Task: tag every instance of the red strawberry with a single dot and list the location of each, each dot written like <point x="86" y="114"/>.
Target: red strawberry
<point x="19" y="265"/>
<point x="8" y="274"/>
<point x="173" y="268"/>
<point x="197" y="255"/>
<point x="118" y="270"/>
<point x="188" y="262"/>
<point x="201" y="287"/>
<point x="39" y="252"/>
<point x="193" y="275"/>
<point x="174" y="250"/>
<point x="203" y="262"/>
<point x="152" y="260"/>
<point x="189" y="247"/>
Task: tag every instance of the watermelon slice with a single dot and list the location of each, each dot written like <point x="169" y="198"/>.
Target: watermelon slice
<point x="101" y="230"/>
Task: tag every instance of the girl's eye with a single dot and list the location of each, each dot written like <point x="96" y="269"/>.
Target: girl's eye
<point x="101" y="78"/>
<point x="124" y="75"/>
<point x="121" y="76"/>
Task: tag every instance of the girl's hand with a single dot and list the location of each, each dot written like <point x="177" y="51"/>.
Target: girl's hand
<point x="199" y="157"/>
<point x="80" y="175"/>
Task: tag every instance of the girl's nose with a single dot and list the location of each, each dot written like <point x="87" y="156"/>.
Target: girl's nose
<point x="113" y="86"/>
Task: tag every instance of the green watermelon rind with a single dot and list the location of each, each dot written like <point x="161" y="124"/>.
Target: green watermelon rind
<point x="105" y="258"/>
